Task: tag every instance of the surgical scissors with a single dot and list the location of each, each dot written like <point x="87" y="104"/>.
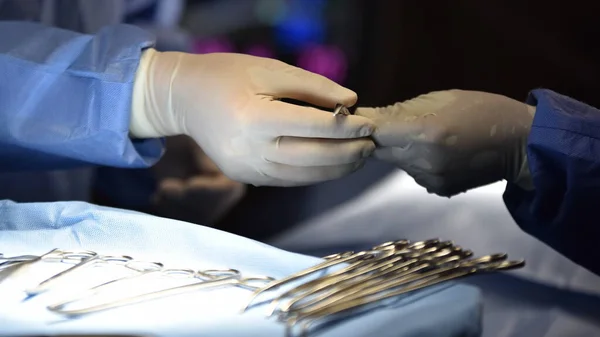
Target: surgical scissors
<point x="56" y="254"/>
<point x="378" y="270"/>
<point x="395" y="276"/>
<point x="406" y="272"/>
<point x="86" y="261"/>
<point x="442" y="249"/>
<point x="7" y="261"/>
<point x="158" y="271"/>
<point x="376" y="294"/>
<point x="329" y="262"/>
<point x="141" y="267"/>
<point x="379" y="251"/>
<point x="216" y="278"/>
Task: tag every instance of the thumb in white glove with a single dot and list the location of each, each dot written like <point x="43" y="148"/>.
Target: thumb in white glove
<point x="453" y="141"/>
<point x="228" y="103"/>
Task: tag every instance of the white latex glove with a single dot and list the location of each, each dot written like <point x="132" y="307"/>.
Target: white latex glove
<point x="453" y="141"/>
<point x="228" y="103"/>
<point x="190" y="186"/>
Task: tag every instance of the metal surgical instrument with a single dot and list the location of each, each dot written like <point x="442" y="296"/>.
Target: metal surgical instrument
<point x="383" y="281"/>
<point x="6" y="261"/>
<point x="377" y="271"/>
<point x="378" y="294"/>
<point x="379" y="251"/>
<point x="329" y="262"/>
<point x="341" y="109"/>
<point x="56" y="254"/>
<point x="337" y="284"/>
<point x="153" y="269"/>
<point x="362" y="268"/>
<point x="86" y="261"/>
<point x="141" y="267"/>
<point x="228" y="277"/>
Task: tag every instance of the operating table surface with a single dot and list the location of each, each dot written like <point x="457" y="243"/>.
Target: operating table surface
<point x="447" y="310"/>
<point x="551" y="296"/>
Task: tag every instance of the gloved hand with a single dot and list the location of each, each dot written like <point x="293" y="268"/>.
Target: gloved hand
<point x="453" y="141"/>
<point x="190" y="186"/>
<point x="228" y="103"/>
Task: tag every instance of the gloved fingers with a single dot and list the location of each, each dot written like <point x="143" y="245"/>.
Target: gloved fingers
<point x="295" y="83"/>
<point x="306" y="152"/>
<point x="417" y="107"/>
<point x="400" y="131"/>
<point x="286" y="175"/>
<point x="370" y="113"/>
<point x="434" y="184"/>
<point x="450" y="183"/>
<point x="400" y="156"/>
<point x="292" y="120"/>
<point x="396" y="113"/>
<point x="399" y="134"/>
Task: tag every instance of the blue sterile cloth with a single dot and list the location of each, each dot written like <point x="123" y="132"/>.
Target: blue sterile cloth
<point x="35" y="228"/>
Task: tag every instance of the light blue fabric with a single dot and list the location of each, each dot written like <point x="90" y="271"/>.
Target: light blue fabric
<point x="449" y="310"/>
<point x="65" y="97"/>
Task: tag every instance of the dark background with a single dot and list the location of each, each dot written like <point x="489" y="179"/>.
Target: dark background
<point x="407" y="48"/>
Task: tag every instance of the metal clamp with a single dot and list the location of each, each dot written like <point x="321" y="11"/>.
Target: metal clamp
<point x="341" y="109"/>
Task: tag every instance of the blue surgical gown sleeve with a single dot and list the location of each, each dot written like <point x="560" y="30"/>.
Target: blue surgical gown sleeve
<point x="563" y="152"/>
<point x="65" y="97"/>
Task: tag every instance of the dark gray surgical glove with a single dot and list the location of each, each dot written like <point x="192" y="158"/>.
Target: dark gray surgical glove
<point x="452" y="141"/>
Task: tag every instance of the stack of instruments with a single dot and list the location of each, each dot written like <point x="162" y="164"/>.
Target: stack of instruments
<point x="341" y="284"/>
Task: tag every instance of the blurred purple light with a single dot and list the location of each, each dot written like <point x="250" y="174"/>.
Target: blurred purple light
<point x="328" y="61"/>
<point x="212" y="46"/>
<point x="260" y="51"/>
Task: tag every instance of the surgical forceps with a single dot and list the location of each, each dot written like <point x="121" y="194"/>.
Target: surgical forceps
<point x="215" y="278"/>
